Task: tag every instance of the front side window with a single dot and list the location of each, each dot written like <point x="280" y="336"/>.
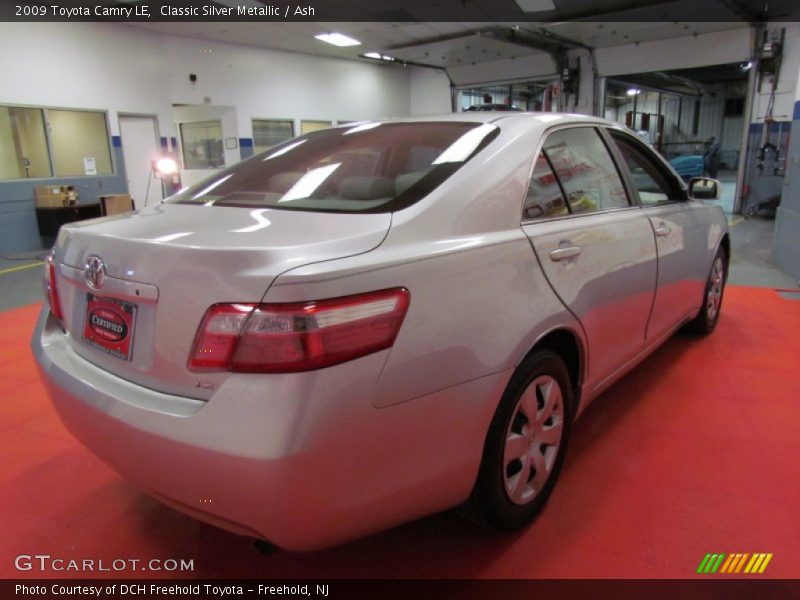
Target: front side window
<point x="23" y="143"/>
<point x="648" y="180"/>
<point x="585" y="170"/>
<point x="369" y="167"/>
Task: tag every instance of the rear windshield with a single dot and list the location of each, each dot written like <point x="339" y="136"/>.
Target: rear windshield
<point x="366" y="168"/>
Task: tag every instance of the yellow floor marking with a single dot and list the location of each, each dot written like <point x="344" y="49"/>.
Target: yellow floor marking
<point x="20" y="268"/>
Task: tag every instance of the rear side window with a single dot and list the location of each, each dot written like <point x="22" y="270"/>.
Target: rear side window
<point x="366" y="168"/>
<point x="585" y="170"/>
<point x="544" y="197"/>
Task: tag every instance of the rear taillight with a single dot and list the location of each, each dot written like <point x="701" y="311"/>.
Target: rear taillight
<point x="284" y="338"/>
<point x="51" y="287"/>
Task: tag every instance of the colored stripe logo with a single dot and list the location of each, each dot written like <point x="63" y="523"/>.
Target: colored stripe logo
<point x="734" y="563"/>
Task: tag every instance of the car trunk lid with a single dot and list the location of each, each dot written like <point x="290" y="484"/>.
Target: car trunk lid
<point x="165" y="266"/>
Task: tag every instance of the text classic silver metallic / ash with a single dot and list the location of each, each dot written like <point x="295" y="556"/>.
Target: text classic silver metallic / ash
<point x="375" y="322"/>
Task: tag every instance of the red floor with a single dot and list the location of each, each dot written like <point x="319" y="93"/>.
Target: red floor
<point x="697" y="451"/>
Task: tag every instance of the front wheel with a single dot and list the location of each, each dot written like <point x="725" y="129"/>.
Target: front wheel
<point x="525" y="446"/>
<point x="706" y="320"/>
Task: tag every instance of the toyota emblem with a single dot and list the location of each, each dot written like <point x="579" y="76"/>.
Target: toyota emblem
<point x="94" y="270"/>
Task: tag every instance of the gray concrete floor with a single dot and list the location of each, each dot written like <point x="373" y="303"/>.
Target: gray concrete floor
<point x="751" y="242"/>
<point x="728" y="181"/>
<point x="751" y="249"/>
<point x="21" y="279"/>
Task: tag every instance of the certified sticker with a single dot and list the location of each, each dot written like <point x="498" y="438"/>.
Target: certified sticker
<point x="109" y="325"/>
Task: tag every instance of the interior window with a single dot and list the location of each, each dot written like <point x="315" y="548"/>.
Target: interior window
<point x="271" y="132"/>
<point x="648" y="180"/>
<point x="202" y="145"/>
<point x="585" y="170"/>
<point x="309" y="126"/>
<point x="79" y="139"/>
<point x="23" y="144"/>
<point x="544" y="197"/>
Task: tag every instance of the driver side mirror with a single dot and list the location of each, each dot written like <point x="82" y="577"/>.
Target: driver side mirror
<point x="704" y="188"/>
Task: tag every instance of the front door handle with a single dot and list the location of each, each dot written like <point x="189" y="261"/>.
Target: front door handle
<point x="662" y="230"/>
<point x="564" y="253"/>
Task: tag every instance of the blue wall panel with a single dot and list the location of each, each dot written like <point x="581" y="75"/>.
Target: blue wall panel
<point x="18" y="230"/>
<point x="246" y="147"/>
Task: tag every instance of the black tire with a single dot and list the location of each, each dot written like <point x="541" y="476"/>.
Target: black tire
<point x="491" y="502"/>
<point x="706" y="320"/>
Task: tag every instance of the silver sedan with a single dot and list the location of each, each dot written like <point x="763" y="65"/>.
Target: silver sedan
<point x="378" y="321"/>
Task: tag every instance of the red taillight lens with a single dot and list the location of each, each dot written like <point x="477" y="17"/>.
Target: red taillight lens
<point x="218" y="335"/>
<point x="51" y="288"/>
<point x="283" y="338"/>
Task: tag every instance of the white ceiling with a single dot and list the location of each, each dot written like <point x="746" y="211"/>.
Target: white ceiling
<point x="435" y="43"/>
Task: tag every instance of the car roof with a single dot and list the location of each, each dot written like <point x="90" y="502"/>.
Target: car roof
<point x="502" y="119"/>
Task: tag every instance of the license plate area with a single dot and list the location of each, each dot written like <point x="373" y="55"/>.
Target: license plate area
<point x="108" y="325"/>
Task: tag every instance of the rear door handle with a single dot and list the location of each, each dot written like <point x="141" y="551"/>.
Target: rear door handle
<point x="662" y="230"/>
<point x="564" y="253"/>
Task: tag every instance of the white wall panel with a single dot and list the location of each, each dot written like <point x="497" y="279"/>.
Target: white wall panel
<point x="271" y="84"/>
<point x="678" y="53"/>
<point x="120" y="68"/>
<point x="84" y="65"/>
<point x="533" y="66"/>
<point x="430" y="92"/>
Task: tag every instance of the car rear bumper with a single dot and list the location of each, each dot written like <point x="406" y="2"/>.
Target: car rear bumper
<point x="302" y="460"/>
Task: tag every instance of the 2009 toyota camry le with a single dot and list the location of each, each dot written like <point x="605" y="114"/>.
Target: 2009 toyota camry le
<point x="378" y="321"/>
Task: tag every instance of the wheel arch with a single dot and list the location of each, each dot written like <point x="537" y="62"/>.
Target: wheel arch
<point x="569" y="346"/>
<point x="725" y="244"/>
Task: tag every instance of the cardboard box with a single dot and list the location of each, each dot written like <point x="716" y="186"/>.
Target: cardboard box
<point x="116" y="204"/>
<point x="50" y="195"/>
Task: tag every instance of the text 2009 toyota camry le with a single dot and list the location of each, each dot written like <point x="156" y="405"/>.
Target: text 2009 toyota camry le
<point x="376" y="322"/>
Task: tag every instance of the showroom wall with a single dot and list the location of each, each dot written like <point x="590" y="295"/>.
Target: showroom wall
<point x="74" y="65"/>
<point x="117" y="68"/>
<point x="430" y="92"/>
<point x="786" y="246"/>
<point x="270" y="84"/>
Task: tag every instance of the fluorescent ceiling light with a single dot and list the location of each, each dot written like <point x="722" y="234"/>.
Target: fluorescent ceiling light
<point x="633" y="92"/>
<point x="171" y="237"/>
<point x="464" y="146"/>
<point x="309" y="182"/>
<point x="284" y="150"/>
<point x="535" y="5"/>
<point x="217" y="183"/>
<point x="337" y="39"/>
<point x="262" y="222"/>
<point x="378" y="56"/>
<point x="362" y="127"/>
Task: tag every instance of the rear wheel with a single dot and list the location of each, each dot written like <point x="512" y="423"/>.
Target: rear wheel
<point x="525" y="446"/>
<point x="706" y="320"/>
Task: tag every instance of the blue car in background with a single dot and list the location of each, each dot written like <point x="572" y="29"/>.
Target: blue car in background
<point x="688" y="166"/>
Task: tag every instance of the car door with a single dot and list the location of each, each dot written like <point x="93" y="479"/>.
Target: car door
<point x="681" y="230"/>
<point x="596" y="249"/>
